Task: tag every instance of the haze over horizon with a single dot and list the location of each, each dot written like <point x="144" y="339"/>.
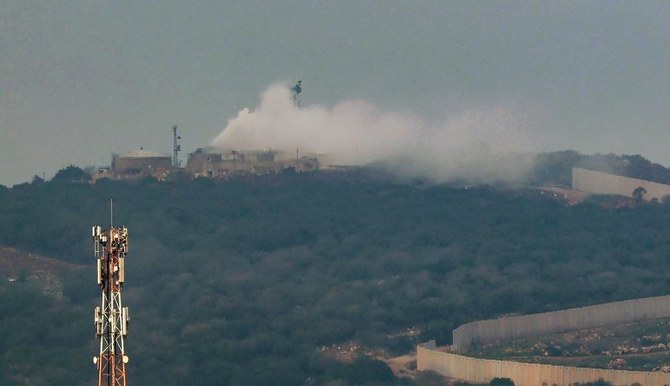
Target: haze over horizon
<point x="89" y="79"/>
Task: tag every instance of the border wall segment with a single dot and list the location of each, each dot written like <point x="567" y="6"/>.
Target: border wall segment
<point x="605" y="183"/>
<point x="487" y="331"/>
<point x="526" y="374"/>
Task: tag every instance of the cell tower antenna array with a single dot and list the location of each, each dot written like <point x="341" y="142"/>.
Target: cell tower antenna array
<point x="111" y="318"/>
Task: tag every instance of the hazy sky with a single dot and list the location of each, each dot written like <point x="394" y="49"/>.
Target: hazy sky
<point x="80" y="80"/>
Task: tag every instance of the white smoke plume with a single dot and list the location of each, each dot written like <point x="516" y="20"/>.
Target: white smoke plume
<point x="482" y="145"/>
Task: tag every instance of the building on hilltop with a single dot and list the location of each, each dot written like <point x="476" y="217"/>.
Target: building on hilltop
<point x="222" y="163"/>
<point x="136" y="164"/>
<point x="210" y="162"/>
<point x="139" y="162"/>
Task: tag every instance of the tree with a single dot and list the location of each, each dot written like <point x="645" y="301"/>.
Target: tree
<point x="429" y="378"/>
<point x="501" y="382"/>
<point x="365" y="370"/>
<point x="72" y="173"/>
<point x="599" y="382"/>
<point x="639" y="193"/>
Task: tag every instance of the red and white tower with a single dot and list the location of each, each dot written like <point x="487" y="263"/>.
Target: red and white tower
<point x="111" y="318"/>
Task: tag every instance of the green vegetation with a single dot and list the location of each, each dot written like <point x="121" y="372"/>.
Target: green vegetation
<point x="501" y="382"/>
<point x="599" y="382"/>
<point x="243" y="282"/>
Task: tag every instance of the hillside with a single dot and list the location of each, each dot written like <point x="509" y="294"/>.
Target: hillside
<point x="18" y="265"/>
<point x="244" y="281"/>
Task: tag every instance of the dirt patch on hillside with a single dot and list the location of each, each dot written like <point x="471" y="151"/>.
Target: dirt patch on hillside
<point x="403" y="366"/>
<point x="16" y="265"/>
<point x="347" y="352"/>
<point x="569" y="196"/>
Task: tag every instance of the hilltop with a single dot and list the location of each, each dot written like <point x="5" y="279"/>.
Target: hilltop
<point x="552" y="169"/>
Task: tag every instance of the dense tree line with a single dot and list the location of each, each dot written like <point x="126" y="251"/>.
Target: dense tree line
<point x="242" y="282"/>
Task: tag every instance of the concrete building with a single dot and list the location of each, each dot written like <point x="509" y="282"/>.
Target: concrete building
<point x="140" y="163"/>
<point x="209" y="162"/>
<point x="221" y="163"/>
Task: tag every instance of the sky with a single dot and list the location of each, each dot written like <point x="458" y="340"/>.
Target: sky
<point x="83" y="79"/>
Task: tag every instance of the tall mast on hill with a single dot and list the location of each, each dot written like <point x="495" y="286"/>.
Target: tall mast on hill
<point x="295" y="93"/>
<point x="111" y="319"/>
<point x="176" y="148"/>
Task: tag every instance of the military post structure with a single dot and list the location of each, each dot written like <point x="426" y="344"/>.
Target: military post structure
<point x="111" y="318"/>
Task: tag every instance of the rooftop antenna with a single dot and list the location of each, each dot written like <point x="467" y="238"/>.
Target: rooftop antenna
<point x="295" y="90"/>
<point x="176" y="148"/>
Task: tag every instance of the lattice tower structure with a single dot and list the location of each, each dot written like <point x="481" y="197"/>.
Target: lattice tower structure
<point x="111" y="318"/>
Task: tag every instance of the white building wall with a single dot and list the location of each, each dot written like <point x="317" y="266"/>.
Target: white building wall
<point x="604" y="183"/>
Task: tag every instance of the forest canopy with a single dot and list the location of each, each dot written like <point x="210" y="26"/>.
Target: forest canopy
<point x="245" y="281"/>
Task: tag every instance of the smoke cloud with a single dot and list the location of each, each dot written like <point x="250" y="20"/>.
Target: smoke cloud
<point x="477" y="145"/>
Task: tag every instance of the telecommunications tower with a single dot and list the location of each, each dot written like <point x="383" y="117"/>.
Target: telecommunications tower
<point x="111" y="318"/>
<point x="176" y="148"/>
<point x="295" y="93"/>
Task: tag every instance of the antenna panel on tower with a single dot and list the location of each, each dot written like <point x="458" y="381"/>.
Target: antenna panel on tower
<point x="122" y="269"/>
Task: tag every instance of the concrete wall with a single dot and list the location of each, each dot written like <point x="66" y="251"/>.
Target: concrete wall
<point x="212" y="163"/>
<point x="136" y="165"/>
<point x="604" y="183"/>
<point x="485" y="331"/>
<point x="527" y="374"/>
